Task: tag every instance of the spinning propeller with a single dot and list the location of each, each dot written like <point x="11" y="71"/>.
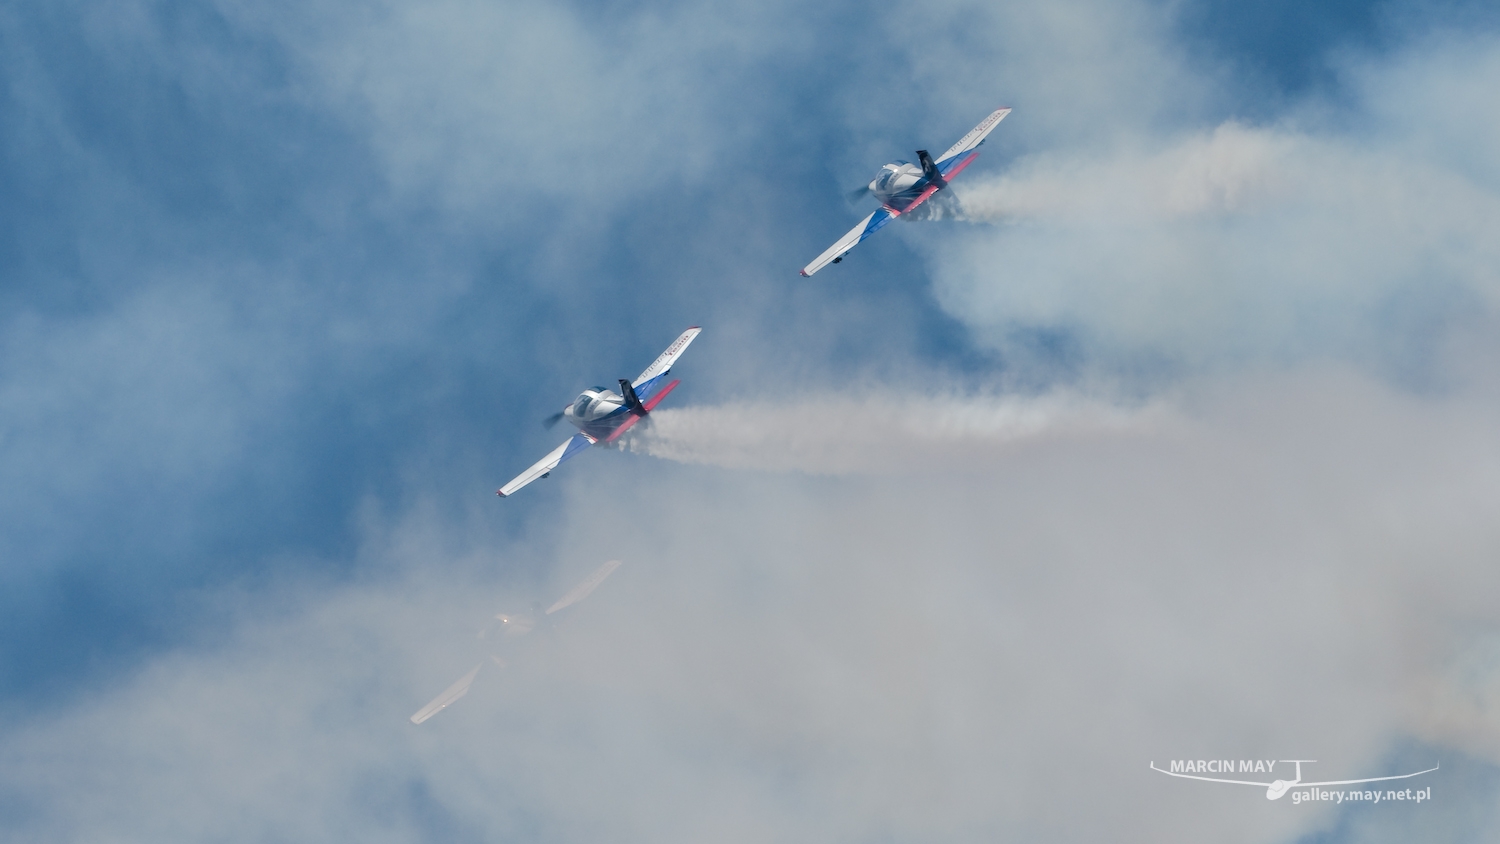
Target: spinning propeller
<point x="857" y="195"/>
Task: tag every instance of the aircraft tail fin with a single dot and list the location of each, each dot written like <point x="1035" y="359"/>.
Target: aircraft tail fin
<point x="930" y="170"/>
<point x="632" y="401"/>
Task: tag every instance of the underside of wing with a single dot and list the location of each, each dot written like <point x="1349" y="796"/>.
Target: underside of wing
<point x="866" y="227"/>
<point x="449" y="695"/>
<point x="575" y="444"/>
<point x="975" y="137"/>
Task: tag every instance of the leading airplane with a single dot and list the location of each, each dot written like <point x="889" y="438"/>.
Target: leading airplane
<point x="603" y="416"/>
<point x="902" y="186"/>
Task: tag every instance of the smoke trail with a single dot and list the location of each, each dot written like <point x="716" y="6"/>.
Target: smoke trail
<point x="869" y="435"/>
<point x="1231" y="169"/>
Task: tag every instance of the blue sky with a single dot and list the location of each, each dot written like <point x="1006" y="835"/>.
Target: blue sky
<point x="288" y="287"/>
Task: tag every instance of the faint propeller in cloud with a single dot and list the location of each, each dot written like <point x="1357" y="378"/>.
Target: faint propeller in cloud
<point x="513" y="626"/>
<point x="552" y="420"/>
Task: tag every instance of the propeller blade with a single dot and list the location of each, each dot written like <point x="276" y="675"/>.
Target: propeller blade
<point x="552" y="420"/>
<point x="855" y="196"/>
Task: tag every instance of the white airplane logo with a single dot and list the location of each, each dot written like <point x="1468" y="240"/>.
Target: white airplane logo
<point x="1276" y="788"/>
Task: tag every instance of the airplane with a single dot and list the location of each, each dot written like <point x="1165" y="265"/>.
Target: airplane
<point x="1277" y="788"/>
<point x="603" y="416"/>
<point x="902" y="186"/>
<point x="512" y="626"/>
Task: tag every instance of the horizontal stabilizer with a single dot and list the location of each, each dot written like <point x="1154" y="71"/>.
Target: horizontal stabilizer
<point x="646" y="407"/>
<point x="655" y="400"/>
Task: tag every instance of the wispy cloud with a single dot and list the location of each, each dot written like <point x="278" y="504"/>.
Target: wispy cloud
<point x="1350" y="234"/>
<point x="965" y="653"/>
<point x="288" y="286"/>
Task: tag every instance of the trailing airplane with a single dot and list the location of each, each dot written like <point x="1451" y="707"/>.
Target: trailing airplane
<point x="512" y="626"/>
<point x="902" y="186"/>
<point x="603" y="416"/>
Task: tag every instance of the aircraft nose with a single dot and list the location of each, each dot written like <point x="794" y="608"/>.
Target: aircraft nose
<point x="1277" y="789"/>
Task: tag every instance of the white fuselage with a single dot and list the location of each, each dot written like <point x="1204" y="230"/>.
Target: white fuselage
<point x="592" y="405"/>
<point x="899" y="178"/>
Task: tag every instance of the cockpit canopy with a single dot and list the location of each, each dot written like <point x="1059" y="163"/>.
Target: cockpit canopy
<point x="595" y="401"/>
<point x="885" y="180"/>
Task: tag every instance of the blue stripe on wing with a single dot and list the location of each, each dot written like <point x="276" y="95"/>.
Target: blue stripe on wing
<point x="946" y="167"/>
<point x="877" y="222"/>
<point x="578" y="443"/>
<point x="646" y="389"/>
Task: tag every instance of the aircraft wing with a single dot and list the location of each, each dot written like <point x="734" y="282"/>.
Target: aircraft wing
<point x="655" y="377"/>
<point x="866" y="227"/>
<point x="449" y="695"/>
<point x="575" y="444"/>
<point x="582" y="590"/>
<point x="975" y="137"/>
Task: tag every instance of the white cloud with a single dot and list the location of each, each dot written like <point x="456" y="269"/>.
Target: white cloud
<point x="1235" y="243"/>
<point x="996" y="651"/>
<point x="987" y="614"/>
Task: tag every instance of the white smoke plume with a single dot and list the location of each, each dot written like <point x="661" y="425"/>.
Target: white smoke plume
<point x="1228" y="246"/>
<point x="1231" y="169"/>
<point x="881" y="433"/>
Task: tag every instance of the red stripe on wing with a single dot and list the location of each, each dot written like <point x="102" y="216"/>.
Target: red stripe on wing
<point x="928" y="191"/>
<point x="649" y="404"/>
